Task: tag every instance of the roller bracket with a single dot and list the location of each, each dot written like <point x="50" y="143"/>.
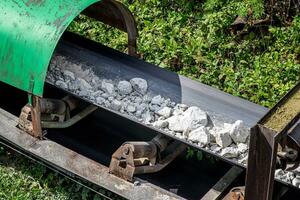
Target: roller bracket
<point x="144" y="157"/>
<point x="50" y="113"/>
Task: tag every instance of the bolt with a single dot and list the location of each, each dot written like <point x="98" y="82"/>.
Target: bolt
<point x="126" y="151"/>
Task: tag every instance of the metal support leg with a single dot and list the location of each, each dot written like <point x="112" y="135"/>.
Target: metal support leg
<point x="261" y="163"/>
<point x="30" y="117"/>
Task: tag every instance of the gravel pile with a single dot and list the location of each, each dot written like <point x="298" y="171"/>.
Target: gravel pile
<point x="134" y="98"/>
<point x="290" y="177"/>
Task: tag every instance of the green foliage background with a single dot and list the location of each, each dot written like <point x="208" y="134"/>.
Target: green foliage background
<point x="193" y="38"/>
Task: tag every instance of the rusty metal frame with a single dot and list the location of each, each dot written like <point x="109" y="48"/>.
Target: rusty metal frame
<point x="117" y="15"/>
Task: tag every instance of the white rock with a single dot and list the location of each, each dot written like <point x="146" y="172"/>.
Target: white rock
<point x="239" y="132"/>
<point x="223" y="138"/>
<point x="69" y="74"/>
<point x="141" y="107"/>
<point x="179" y="109"/>
<point x="97" y="93"/>
<point x="175" y="123"/>
<point x="291" y="175"/>
<point x="147" y="117"/>
<point x="154" y="107"/>
<point x="243" y="160"/>
<point x="193" y="118"/>
<point x="83" y="85"/>
<point x="279" y="173"/>
<point x="160" y="124"/>
<point x="215" y="148"/>
<point x="131" y="108"/>
<point x="100" y="100"/>
<point x="165" y="112"/>
<point x="157" y="100"/>
<point x="116" y="105"/>
<point x="200" y="136"/>
<point x="138" y="100"/>
<point x="124" y="87"/>
<point x="242" y="148"/>
<point x="283" y="176"/>
<point x="107" y="87"/>
<point x="229" y="152"/>
<point x="61" y="84"/>
<point x="84" y="93"/>
<point x="296" y="182"/>
<point x="181" y="106"/>
<point x="140" y="85"/>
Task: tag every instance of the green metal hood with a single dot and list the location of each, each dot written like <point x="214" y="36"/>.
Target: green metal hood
<point x="29" y="33"/>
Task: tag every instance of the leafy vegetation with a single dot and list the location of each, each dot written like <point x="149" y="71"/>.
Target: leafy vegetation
<point x="195" y="39"/>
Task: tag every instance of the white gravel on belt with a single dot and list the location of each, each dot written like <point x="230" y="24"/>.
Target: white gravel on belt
<point x="134" y="99"/>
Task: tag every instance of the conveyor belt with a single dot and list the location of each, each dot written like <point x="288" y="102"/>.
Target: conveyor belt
<point x="110" y="64"/>
<point x="95" y="139"/>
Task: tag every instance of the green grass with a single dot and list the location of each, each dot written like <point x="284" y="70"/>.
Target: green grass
<point x="21" y="178"/>
<point x="194" y="39"/>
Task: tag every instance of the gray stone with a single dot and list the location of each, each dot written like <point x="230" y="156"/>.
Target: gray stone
<point x="243" y="160"/>
<point x="107" y="87"/>
<point x="154" y="107"/>
<point x="116" y="105"/>
<point x="296" y="182"/>
<point x="84" y="93"/>
<point x="200" y="136"/>
<point x="140" y="85"/>
<point x="238" y="132"/>
<point x="105" y="95"/>
<point x="165" y="112"/>
<point x="223" y="138"/>
<point x="160" y="124"/>
<point x="124" y="87"/>
<point x="229" y="152"/>
<point x="97" y="93"/>
<point x="157" y="100"/>
<point x="82" y="84"/>
<point x="100" y="100"/>
<point x="215" y="148"/>
<point x="69" y="75"/>
<point x="138" y="100"/>
<point x="61" y="84"/>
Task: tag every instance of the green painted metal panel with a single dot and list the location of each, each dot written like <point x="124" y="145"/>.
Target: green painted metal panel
<point x="29" y="33"/>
